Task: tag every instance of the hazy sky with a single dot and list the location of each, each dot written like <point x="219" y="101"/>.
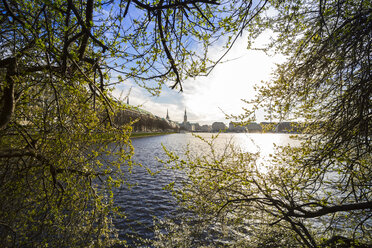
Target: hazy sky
<point x="206" y="98"/>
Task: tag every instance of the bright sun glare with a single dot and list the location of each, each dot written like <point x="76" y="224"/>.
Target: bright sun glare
<point x="207" y="98"/>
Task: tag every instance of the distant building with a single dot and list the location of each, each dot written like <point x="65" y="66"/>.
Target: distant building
<point x="197" y="127"/>
<point x="206" y="128"/>
<point x="235" y="128"/>
<point x="167" y="116"/>
<point x="174" y="125"/>
<point x="254" y="128"/>
<point x="218" y="126"/>
<point x="287" y="127"/>
<point x="187" y="126"/>
<point x="144" y="121"/>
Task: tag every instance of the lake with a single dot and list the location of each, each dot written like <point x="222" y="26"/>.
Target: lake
<point x="147" y="199"/>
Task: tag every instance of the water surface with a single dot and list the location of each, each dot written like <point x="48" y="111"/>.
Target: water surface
<point x="147" y="199"/>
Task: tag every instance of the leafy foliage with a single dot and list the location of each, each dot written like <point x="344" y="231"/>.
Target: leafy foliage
<point x="319" y="193"/>
<point x="61" y="152"/>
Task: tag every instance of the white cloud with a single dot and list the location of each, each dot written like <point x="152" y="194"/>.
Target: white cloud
<point x="228" y="83"/>
<point x="139" y="97"/>
<point x="206" y="98"/>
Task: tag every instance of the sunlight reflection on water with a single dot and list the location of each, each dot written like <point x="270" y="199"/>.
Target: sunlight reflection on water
<point x="262" y="143"/>
<point x="147" y="199"/>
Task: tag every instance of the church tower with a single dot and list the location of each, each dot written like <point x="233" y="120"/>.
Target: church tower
<point x="167" y="116"/>
<point x="185" y="117"/>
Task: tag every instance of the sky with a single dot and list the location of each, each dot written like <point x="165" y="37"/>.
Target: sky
<point x="206" y="99"/>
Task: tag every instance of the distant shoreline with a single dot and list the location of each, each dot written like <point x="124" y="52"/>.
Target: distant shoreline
<point x="143" y="135"/>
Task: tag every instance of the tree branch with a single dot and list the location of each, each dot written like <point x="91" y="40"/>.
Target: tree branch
<point x="202" y="14"/>
<point x="6" y="5"/>
<point x="169" y="55"/>
<point x="148" y="7"/>
<point x="88" y="23"/>
<point x="84" y="27"/>
<point x="331" y="210"/>
<point x="8" y="101"/>
<point x="16" y="153"/>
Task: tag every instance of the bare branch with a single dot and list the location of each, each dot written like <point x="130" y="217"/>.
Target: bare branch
<point x="169" y="55"/>
<point x="84" y="27"/>
<point x="173" y="5"/>
<point x="331" y="210"/>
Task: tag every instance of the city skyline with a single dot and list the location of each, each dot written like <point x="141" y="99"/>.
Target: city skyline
<point x="207" y="99"/>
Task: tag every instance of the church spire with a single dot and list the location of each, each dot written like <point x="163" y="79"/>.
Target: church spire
<point x="185" y="117"/>
<point x="167" y="116"/>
